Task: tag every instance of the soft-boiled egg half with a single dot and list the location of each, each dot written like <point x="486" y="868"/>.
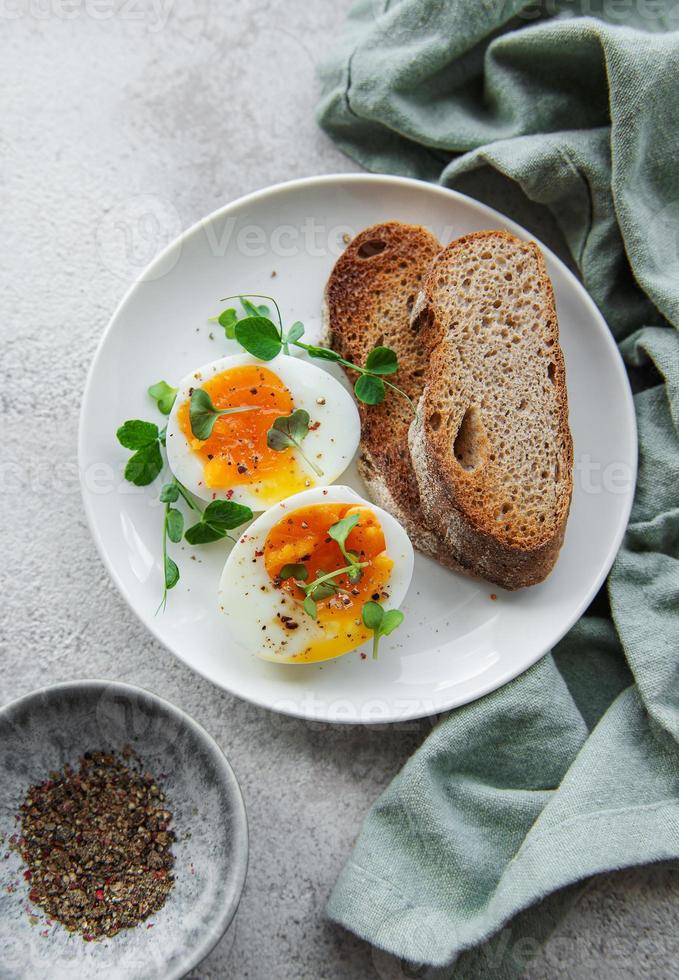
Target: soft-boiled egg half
<point x="266" y="614"/>
<point x="235" y="462"/>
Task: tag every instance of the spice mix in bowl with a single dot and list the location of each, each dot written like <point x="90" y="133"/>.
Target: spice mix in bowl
<point x="122" y="832"/>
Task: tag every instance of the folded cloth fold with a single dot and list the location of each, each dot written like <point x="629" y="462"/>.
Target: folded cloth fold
<point x="573" y="768"/>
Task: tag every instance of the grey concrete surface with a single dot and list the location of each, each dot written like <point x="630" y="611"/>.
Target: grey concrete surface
<point x="106" y="103"/>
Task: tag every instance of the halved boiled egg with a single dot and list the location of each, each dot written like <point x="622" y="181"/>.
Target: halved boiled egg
<point x="266" y="613"/>
<point x="235" y="462"/>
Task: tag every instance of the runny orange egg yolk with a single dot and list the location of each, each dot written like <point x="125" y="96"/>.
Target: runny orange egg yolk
<point x="236" y="453"/>
<point x="302" y="538"/>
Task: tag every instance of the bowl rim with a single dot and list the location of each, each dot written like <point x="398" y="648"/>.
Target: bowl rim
<point x="214" y="931"/>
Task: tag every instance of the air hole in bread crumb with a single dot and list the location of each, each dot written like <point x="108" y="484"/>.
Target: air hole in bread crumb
<point x="551" y="371"/>
<point x="410" y="303"/>
<point x="435" y="421"/>
<point x="470" y="440"/>
<point x="523" y="404"/>
<point x="372" y="247"/>
<point x="424" y="318"/>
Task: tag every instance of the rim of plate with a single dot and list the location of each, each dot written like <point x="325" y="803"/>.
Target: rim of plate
<point x="224" y="917"/>
<point x="272" y="190"/>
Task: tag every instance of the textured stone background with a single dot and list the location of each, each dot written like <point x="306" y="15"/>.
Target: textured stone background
<point x="189" y="105"/>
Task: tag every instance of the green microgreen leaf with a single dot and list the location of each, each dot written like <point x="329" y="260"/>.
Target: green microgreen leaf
<point x="369" y="389"/>
<point x="136" y="434"/>
<point x="219" y="517"/>
<point x="288" y="432"/>
<point x="355" y="575"/>
<point x="169" y="493"/>
<point x="295" y="332"/>
<point x="164" y="394"/>
<point x="310" y="607"/>
<point x="201" y="533"/>
<point x="382" y="622"/>
<point x="171" y="573"/>
<point x="391" y="621"/>
<point x="297" y="571"/>
<point x="251" y="309"/>
<point x="227" y="514"/>
<point x="373" y="614"/>
<point x="259" y="336"/>
<point x="175" y="524"/>
<point x="340" y="530"/>
<point x="382" y="360"/>
<point x="228" y="319"/>
<point x="295" y="427"/>
<point x="323" y="590"/>
<point x="145" y="465"/>
<point x="203" y="414"/>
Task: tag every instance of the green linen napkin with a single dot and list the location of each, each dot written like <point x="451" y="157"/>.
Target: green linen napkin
<point x="573" y="768"/>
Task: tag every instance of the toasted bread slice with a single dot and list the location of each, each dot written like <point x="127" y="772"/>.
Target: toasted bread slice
<point x="491" y="445"/>
<point x="368" y="301"/>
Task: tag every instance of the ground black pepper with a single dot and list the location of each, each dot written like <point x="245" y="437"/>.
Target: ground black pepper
<point x="97" y="844"/>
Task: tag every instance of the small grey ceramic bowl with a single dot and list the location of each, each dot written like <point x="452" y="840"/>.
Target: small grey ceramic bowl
<point x="44" y="730"/>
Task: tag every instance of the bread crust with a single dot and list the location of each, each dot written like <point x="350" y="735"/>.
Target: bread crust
<point x="505" y="527"/>
<point x="368" y="300"/>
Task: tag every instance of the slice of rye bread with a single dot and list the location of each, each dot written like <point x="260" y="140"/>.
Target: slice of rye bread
<point x="491" y="445"/>
<point x="368" y="300"/>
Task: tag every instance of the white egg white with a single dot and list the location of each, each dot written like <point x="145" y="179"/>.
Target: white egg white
<point x="250" y="602"/>
<point x="333" y="444"/>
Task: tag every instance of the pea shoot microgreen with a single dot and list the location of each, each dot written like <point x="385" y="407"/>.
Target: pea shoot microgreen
<point x="218" y="518"/>
<point x="147" y="442"/>
<point x="164" y="395"/>
<point x="145" y="439"/>
<point x="288" y="432"/>
<point x="324" y="585"/>
<point x="381" y="621"/>
<point x="203" y="414"/>
<point x="257" y="333"/>
<point x="229" y="318"/>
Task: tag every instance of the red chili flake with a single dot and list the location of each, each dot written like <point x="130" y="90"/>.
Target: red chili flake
<point x="33" y="895"/>
<point x="150" y="925"/>
<point x="229" y="494"/>
<point x="313" y="426"/>
<point x="99" y="894"/>
<point x="28" y="875"/>
<point x="493" y="596"/>
<point x="364" y="656"/>
<point x="258" y="554"/>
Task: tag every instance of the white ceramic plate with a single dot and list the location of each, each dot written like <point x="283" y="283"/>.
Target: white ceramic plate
<point x="457" y="642"/>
